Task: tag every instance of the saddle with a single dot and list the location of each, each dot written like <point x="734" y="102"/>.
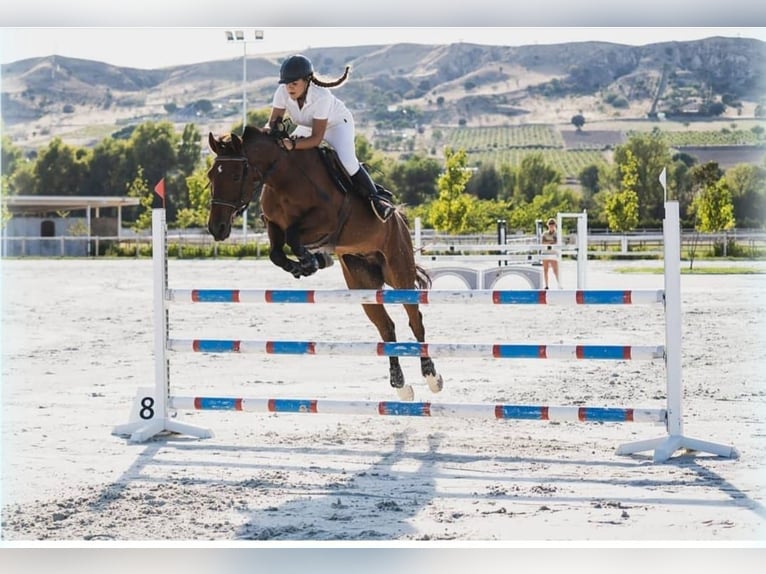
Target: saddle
<point x="338" y="174"/>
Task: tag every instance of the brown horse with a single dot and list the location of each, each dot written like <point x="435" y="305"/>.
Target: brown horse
<point x="304" y="209"/>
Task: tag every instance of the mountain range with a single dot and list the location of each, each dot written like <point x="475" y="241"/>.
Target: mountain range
<point x="449" y="85"/>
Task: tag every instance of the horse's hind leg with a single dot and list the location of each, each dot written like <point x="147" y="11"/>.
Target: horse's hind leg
<point x="359" y="274"/>
<point x="427" y="368"/>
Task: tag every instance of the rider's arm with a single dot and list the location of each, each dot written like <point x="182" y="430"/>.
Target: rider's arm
<point x="276" y="114"/>
<point x="318" y="128"/>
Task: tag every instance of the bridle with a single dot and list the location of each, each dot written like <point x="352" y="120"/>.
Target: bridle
<point x="242" y="204"/>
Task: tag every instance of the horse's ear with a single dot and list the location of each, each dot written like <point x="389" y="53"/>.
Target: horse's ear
<point x="212" y="142"/>
<point x="236" y="141"/>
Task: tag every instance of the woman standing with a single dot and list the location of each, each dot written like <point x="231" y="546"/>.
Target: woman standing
<point x="320" y="116"/>
<point x="550" y="254"/>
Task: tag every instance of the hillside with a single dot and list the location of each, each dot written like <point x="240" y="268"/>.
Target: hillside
<point x="398" y="86"/>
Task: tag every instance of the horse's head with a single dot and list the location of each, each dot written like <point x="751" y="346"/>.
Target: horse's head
<point x="232" y="184"/>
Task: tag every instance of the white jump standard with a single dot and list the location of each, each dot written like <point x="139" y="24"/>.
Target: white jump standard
<point x="154" y="408"/>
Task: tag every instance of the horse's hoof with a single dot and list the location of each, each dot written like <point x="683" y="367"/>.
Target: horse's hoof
<point x="435" y="383"/>
<point x="309" y="266"/>
<point x="406" y="393"/>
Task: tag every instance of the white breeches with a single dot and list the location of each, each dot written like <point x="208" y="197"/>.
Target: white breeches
<point x="341" y="137"/>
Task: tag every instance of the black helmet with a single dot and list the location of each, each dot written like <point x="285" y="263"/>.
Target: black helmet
<point x="295" y="68"/>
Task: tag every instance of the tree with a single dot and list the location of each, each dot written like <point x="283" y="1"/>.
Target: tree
<point x="415" y="179"/>
<point x="485" y="183"/>
<point x="195" y="215"/>
<point x="153" y="147"/>
<point x="110" y="169"/>
<point x="652" y="154"/>
<point x="551" y="200"/>
<point x="714" y="211"/>
<point x="189" y="149"/>
<point x="139" y="187"/>
<point x="59" y="169"/>
<point x="622" y="210"/>
<point x="11" y="156"/>
<point x="622" y="206"/>
<point x="534" y="174"/>
<point x="747" y="185"/>
<point x="451" y="210"/>
<point x="578" y="121"/>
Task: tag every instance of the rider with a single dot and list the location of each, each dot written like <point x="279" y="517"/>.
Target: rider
<point x="320" y="116"/>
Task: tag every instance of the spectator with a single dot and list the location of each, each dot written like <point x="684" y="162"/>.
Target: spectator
<point x="550" y="255"/>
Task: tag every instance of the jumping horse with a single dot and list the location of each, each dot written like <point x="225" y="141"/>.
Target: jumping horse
<point x="306" y="208"/>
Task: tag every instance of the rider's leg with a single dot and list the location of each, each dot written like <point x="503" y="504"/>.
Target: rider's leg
<point x="365" y="187"/>
<point x="341" y="137"/>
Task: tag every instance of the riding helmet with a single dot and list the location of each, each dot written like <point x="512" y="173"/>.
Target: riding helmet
<point x="295" y="68"/>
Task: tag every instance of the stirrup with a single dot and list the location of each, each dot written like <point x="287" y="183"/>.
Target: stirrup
<point x="382" y="209"/>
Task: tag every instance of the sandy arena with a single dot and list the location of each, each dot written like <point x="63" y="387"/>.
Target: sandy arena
<point x="77" y="344"/>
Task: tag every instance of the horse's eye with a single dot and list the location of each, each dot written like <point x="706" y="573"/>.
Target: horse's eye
<point x="220" y="169"/>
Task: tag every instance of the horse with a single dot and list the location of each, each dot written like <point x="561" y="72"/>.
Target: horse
<point x="304" y="208"/>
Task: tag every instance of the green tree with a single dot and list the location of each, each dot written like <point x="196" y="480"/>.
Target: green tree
<point x="714" y="213"/>
<point x="22" y="181"/>
<point x="551" y="200"/>
<point x="59" y="169"/>
<point x="621" y="210"/>
<point x="508" y="177"/>
<point x="196" y="214"/>
<point x="109" y="169"/>
<point x="622" y="206"/>
<point x="189" y="149"/>
<point x="652" y="154"/>
<point x="747" y="185"/>
<point x="534" y="174"/>
<point x="139" y="187"/>
<point x="451" y="211"/>
<point x="578" y="121"/>
<point x="414" y="180"/>
<point x="10" y="158"/>
<point x="714" y="209"/>
<point x="486" y="183"/>
<point x="153" y="146"/>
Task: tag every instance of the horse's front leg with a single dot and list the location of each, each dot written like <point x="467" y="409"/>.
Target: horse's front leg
<point x="277" y="250"/>
<point x="308" y="264"/>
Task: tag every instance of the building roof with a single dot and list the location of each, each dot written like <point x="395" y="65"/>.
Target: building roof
<point x="46" y="203"/>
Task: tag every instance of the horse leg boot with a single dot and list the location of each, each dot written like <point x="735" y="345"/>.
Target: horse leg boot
<point x="365" y="187"/>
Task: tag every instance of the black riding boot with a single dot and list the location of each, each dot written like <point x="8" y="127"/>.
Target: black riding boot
<point x="365" y="187"/>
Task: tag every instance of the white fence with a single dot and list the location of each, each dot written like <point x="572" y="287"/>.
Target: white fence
<point x="628" y="244"/>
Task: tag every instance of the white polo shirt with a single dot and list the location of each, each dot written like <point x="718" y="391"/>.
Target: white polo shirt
<point x="320" y="104"/>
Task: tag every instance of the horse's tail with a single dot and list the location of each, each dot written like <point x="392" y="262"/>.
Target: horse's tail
<point x="422" y="278"/>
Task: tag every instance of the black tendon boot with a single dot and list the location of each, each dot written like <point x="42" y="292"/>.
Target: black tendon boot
<point x="365" y="187"/>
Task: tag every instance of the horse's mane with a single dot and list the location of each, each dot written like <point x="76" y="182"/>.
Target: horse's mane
<point x="232" y="144"/>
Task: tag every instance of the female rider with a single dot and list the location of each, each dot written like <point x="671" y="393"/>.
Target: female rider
<point x="320" y="116"/>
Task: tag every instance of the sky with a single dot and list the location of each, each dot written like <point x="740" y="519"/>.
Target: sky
<point x="137" y="47"/>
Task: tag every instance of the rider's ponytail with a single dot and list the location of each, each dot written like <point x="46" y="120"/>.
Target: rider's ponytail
<point x="334" y="84"/>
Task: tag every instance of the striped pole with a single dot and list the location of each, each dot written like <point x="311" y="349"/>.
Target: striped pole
<point x="420" y="297"/>
<point x="423" y="409"/>
<point x="415" y="349"/>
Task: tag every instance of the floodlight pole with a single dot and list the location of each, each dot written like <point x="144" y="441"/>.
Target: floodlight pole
<point x="239" y="36"/>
